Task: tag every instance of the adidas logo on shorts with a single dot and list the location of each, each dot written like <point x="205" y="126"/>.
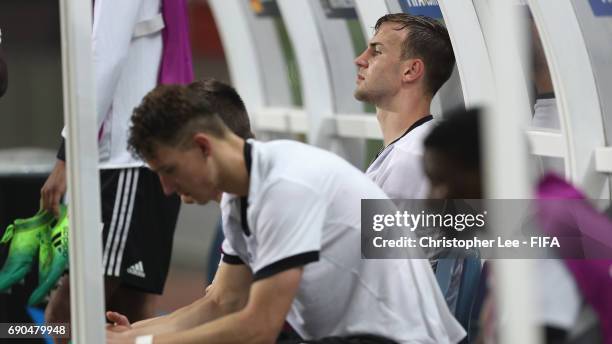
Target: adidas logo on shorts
<point x="137" y="270"/>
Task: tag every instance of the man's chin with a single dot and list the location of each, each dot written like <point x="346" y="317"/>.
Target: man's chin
<point x="360" y="95"/>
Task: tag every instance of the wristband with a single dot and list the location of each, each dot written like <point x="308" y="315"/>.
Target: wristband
<point x="148" y="339"/>
<point x="61" y="152"/>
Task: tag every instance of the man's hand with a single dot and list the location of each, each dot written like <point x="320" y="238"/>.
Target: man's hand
<point x="54" y="188"/>
<point x="119" y="337"/>
<point x="120" y="322"/>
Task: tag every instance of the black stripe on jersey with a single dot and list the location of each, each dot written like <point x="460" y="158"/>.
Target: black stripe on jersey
<point x="232" y="260"/>
<point x="244" y="201"/>
<point x="286" y="264"/>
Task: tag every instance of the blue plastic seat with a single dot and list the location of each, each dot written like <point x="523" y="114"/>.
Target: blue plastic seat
<point x="460" y="299"/>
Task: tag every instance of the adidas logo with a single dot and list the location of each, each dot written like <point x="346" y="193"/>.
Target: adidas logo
<point x="137" y="270"/>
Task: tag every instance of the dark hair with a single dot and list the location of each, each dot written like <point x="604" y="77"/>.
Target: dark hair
<point x="457" y="136"/>
<point x="225" y="101"/>
<point x="171" y="114"/>
<point x="427" y="39"/>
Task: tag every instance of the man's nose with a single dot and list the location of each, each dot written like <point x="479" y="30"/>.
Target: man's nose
<point x="361" y="60"/>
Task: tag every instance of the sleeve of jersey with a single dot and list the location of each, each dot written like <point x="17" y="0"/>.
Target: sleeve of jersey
<point x="229" y="255"/>
<point x="113" y="28"/>
<point x="288" y="226"/>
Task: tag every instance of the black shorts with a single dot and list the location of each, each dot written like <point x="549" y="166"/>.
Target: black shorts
<point x="139" y="222"/>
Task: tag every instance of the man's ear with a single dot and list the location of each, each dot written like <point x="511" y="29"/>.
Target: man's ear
<point x="203" y="142"/>
<point x="413" y="70"/>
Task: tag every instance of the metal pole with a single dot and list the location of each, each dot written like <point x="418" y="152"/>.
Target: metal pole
<point x="86" y="297"/>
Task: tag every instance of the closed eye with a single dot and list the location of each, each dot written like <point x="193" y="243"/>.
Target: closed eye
<point x="375" y="47"/>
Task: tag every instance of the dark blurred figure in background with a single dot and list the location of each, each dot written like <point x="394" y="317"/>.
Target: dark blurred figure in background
<point x="452" y="161"/>
<point x="452" y="157"/>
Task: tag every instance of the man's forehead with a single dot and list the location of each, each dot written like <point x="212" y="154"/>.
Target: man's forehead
<point x="389" y="35"/>
<point x="392" y="28"/>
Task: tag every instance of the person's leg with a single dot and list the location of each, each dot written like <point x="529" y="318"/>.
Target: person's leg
<point x="139" y="223"/>
<point x="135" y="304"/>
<point x="58" y="308"/>
<point x="115" y="189"/>
<point x="143" y="245"/>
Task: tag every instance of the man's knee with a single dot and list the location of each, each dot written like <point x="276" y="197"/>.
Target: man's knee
<point x="58" y="308"/>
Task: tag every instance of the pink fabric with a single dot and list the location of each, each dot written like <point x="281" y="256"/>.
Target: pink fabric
<point x="176" y="65"/>
<point x="566" y="213"/>
<point x="579" y="220"/>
